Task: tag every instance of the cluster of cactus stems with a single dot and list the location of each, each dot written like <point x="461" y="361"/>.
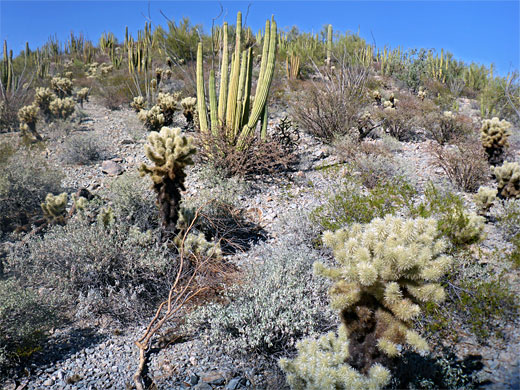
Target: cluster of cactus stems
<point x="438" y="66"/>
<point x="171" y="153"/>
<point x="386" y="57"/>
<point x="9" y="81"/>
<point x="485" y="198"/>
<point x="387" y="269"/>
<point x="234" y="111"/>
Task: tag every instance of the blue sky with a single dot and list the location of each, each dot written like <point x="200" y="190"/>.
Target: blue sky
<point x="482" y="31"/>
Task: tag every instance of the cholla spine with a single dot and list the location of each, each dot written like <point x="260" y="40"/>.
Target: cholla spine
<point x="508" y="178"/>
<point x="55" y="207"/>
<point x="494" y="135"/>
<point x="171" y="153"/>
<point x="321" y="365"/>
<point x="388" y="259"/>
<point x="484" y="198"/>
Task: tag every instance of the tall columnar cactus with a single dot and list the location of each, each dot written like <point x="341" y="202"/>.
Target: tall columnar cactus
<point x="329" y="45"/>
<point x="494" y="135"/>
<point x="55" y="208"/>
<point x="508" y="178"/>
<point x="387" y="269"/>
<point x="234" y="111"/>
<point x="171" y="153"/>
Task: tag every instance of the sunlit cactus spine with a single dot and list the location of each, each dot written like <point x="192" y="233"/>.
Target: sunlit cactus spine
<point x="62" y="108"/>
<point x="82" y="96"/>
<point x="494" y="135"/>
<point x="508" y="178"/>
<point x="485" y="198"/>
<point x="387" y="269"/>
<point x="62" y="86"/>
<point x="188" y="109"/>
<point x="170" y="153"/>
<point x="234" y="111"/>
<point x="138" y="103"/>
<point x="28" y="116"/>
<point x="55" y="208"/>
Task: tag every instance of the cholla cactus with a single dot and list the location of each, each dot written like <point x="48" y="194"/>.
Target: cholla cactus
<point x="421" y="94"/>
<point x="321" y="365"/>
<point x="494" y="134"/>
<point x="106" y="217"/>
<point x="43" y="98"/>
<point x="508" y="178"/>
<point x="28" y="116"/>
<point x="471" y="230"/>
<point x="484" y="198"/>
<point x="377" y="97"/>
<point x="92" y="70"/>
<point x="188" y="108"/>
<point x="82" y="96"/>
<point x="153" y="118"/>
<point x="196" y="245"/>
<point x="55" y="208"/>
<point x="61" y="86"/>
<point x="171" y="153"/>
<point x="168" y="103"/>
<point x="68" y="74"/>
<point x="62" y="108"/>
<point x="138" y="103"/>
<point x="106" y="68"/>
<point x="387" y="269"/>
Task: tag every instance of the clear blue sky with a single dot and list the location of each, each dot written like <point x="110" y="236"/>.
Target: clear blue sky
<point x="482" y="31"/>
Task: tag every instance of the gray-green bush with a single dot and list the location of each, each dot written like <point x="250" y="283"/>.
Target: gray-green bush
<point x="25" y="180"/>
<point x="278" y="301"/>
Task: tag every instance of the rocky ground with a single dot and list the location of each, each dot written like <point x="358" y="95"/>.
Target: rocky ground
<point x="106" y="358"/>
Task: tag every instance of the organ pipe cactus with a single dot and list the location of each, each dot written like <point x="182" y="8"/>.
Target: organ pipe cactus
<point x="234" y="111"/>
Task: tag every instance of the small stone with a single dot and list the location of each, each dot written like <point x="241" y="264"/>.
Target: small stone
<point x="234" y="384"/>
<point x="48" y="382"/>
<point x="213" y="378"/>
<point x="111" y="168"/>
<point x="127" y="141"/>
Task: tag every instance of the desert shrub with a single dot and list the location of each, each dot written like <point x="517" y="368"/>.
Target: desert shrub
<point x="101" y="267"/>
<point x="25" y="319"/>
<point x="333" y="106"/>
<point x="399" y="121"/>
<point x="379" y="168"/>
<point x="113" y="90"/>
<point x="479" y="299"/>
<point x="464" y="163"/>
<point x="25" y="180"/>
<point x="350" y="204"/>
<point x="277" y="302"/>
<point x="83" y="149"/>
<point x="454" y="221"/>
<point x="509" y="218"/>
<point x="446" y="127"/>
<point x="256" y="157"/>
<point x="132" y="201"/>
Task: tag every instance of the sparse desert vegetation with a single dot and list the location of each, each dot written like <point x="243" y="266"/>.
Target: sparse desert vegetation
<point x="270" y="210"/>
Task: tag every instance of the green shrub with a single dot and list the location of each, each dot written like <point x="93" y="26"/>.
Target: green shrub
<point x="25" y="180"/>
<point x="25" y="318"/>
<point x="454" y="221"/>
<point x="353" y="205"/>
<point x="479" y="299"/>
